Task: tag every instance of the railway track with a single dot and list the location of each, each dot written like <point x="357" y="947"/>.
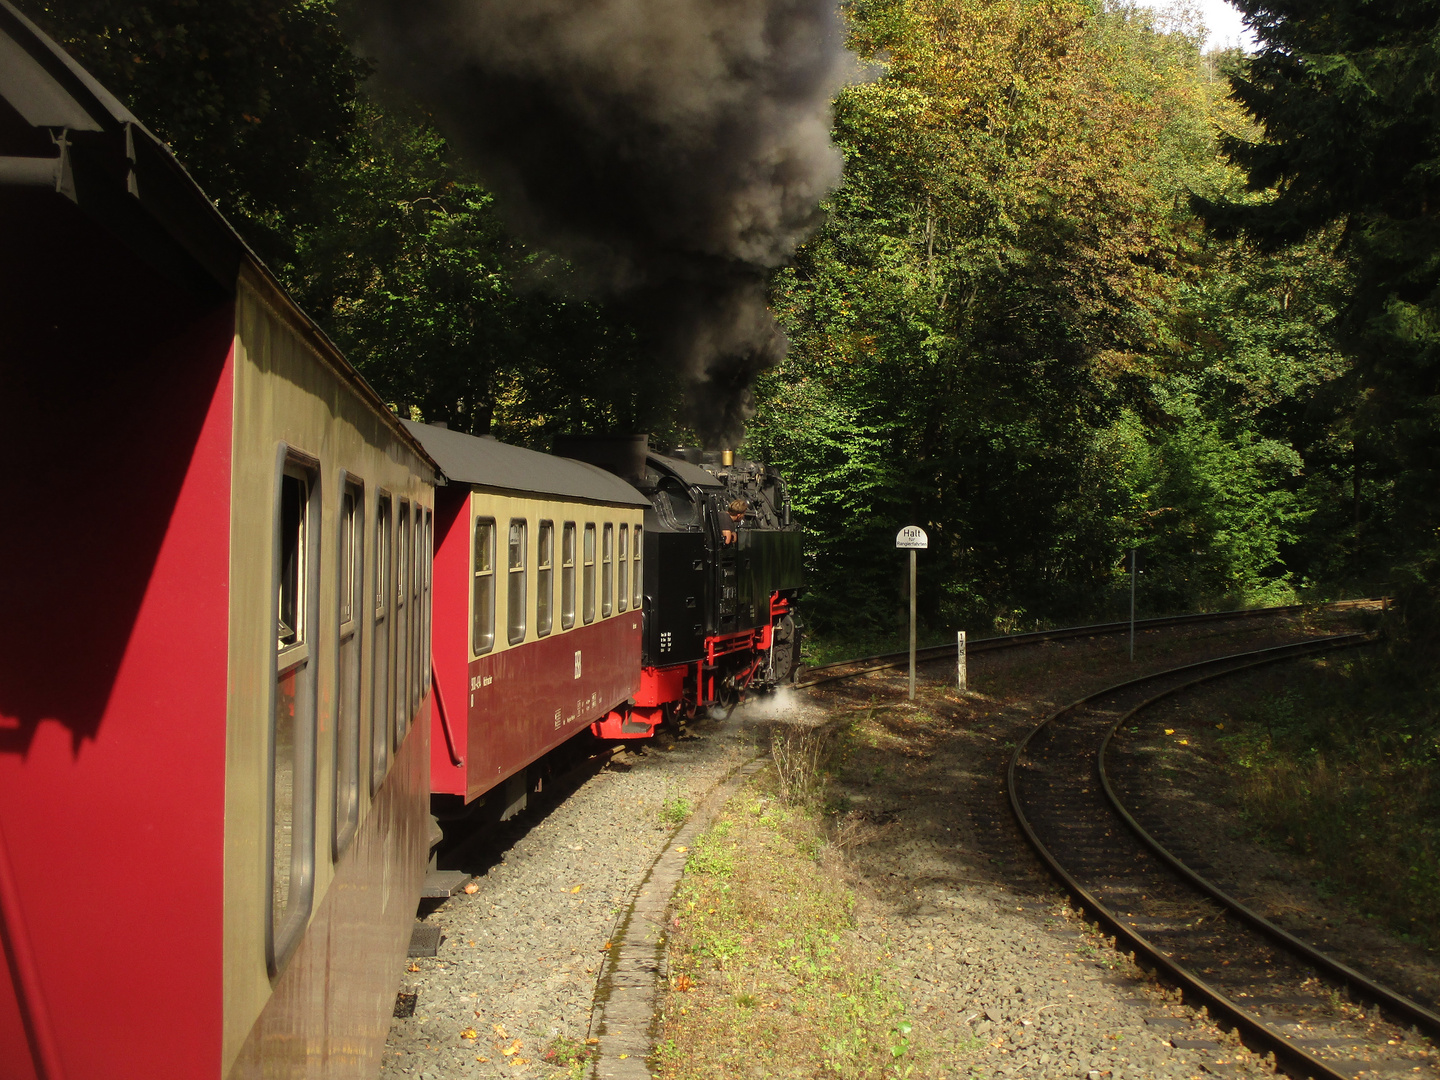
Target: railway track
<point x="1317" y="1016"/>
<point x="846" y="669"/>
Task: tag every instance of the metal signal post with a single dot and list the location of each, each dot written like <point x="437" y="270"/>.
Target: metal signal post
<point x="1132" y="605"/>
<point x="913" y="539"/>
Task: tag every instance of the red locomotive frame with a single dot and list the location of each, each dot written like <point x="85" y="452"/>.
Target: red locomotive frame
<point x="661" y="687"/>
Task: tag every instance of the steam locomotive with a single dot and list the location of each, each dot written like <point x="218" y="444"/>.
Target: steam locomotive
<point x="721" y="620"/>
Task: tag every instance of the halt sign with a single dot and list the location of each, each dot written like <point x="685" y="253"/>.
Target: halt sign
<point x="912" y="537"/>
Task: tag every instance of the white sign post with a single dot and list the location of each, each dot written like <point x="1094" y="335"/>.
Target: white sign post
<point x="1132" y="605"/>
<point x="912" y="538"/>
<point x="960" y="674"/>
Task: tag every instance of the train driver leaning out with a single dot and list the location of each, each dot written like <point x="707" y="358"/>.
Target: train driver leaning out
<point x="737" y="510"/>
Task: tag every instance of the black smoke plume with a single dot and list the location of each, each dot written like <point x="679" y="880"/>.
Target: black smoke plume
<point x="675" y="151"/>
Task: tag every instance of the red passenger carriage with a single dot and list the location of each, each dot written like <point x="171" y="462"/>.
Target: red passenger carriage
<point x="539" y="578"/>
<point x="214" y="708"/>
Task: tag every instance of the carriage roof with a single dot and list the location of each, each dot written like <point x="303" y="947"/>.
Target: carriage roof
<point x="487" y="462"/>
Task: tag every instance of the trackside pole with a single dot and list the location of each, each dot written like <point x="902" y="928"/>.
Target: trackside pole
<point x="912" y="624"/>
<point x="1132" y="604"/>
<point x="960" y="673"/>
<point x="912" y="538"/>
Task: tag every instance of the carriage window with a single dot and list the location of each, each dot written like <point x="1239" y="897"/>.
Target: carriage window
<point x="544" y="577"/>
<point x="427" y="568"/>
<point x="380" y="652"/>
<point x="293" y="497"/>
<point x="517" y="561"/>
<point x="347" y="670"/>
<point x="622" y="569"/>
<point x="567" y="576"/>
<point x="589" y="572"/>
<point x="483" y="599"/>
<point x="607" y="579"/>
<point x="638" y="597"/>
<point x="292" y="721"/>
<point x="403" y="612"/>
<point x="417" y="621"/>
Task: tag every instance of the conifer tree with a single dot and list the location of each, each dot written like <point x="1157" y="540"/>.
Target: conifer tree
<point x="1347" y="95"/>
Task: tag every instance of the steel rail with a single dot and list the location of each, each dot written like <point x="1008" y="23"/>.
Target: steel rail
<point x="1400" y="1007"/>
<point x="806" y="676"/>
<point x="1294" y="1057"/>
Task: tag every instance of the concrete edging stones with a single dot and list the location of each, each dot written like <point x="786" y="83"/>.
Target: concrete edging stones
<point x="628" y="992"/>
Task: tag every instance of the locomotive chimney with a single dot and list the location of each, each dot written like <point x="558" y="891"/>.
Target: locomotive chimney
<point x="727" y="458"/>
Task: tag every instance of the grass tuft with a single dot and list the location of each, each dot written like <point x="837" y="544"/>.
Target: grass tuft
<point x="801" y="757"/>
<point x="569" y="1054"/>
<point x="676" y="811"/>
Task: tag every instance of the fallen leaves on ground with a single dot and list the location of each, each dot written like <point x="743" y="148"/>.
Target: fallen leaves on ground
<point x="472" y="888"/>
<point x="512" y="1049"/>
<point x="469" y="1033"/>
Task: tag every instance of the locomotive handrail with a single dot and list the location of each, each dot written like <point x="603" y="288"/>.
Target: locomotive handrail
<point x="455" y="758"/>
<point x="34" y="1016"/>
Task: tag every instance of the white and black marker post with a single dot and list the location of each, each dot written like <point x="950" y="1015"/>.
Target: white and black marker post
<point x="912" y="538"/>
<point x="1132" y="605"/>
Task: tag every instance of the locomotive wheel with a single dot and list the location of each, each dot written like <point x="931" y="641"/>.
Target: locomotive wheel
<point x="785" y="652"/>
<point x="726" y="698"/>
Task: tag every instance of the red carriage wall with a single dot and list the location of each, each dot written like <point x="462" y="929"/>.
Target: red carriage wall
<point x="115" y="420"/>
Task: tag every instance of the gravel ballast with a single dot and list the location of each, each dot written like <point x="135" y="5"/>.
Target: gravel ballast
<point x="519" y="958"/>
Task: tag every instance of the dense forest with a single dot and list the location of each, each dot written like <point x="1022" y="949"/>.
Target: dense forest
<point x="1083" y="288"/>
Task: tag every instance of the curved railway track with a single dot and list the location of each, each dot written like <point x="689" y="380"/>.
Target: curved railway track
<point x="846" y="669"/>
<point x="1282" y="994"/>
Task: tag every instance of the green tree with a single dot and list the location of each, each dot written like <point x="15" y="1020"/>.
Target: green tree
<point x="449" y="316"/>
<point x="251" y="96"/>
<point x="1345" y="96"/>
<point x="995" y="287"/>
